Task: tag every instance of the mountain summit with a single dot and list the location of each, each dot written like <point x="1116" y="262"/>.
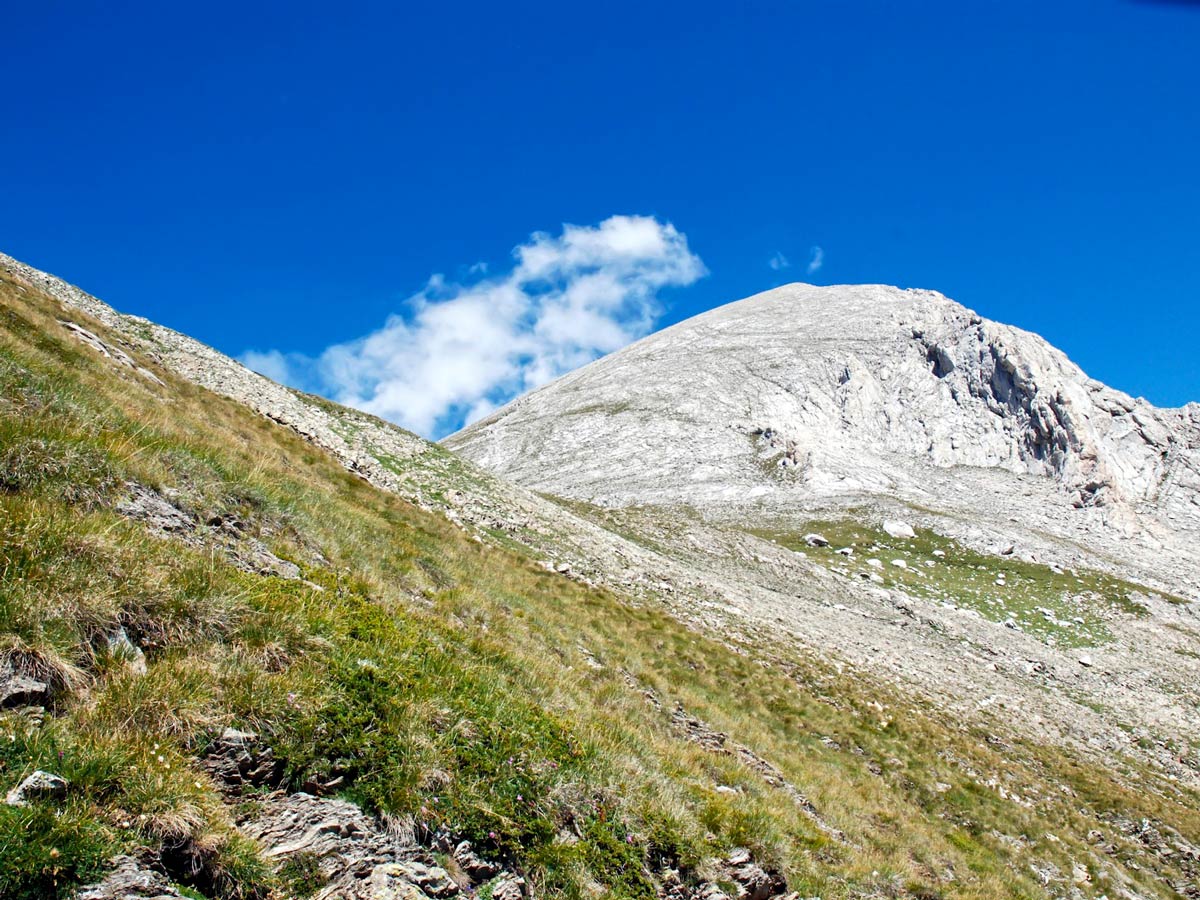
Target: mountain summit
<point x="808" y="395"/>
<point x="849" y="387"/>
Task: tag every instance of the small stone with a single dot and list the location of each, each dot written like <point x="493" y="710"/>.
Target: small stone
<point x="875" y="563"/>
<point x="1086" y="661"/>
<point x="816" y="540"/>
<point x="21" y="690"/>
<point x="38" y="786"/>
<point x="120" y="647"/>
<point x="898" y="529"/>
<point x="899" y="564"/>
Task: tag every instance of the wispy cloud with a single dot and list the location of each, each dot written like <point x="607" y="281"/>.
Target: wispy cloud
<point x="816" y="259"/>
<point x="778" y="262"/>
<point x="456" y="351"/>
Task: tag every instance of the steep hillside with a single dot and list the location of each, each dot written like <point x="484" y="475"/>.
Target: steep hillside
<point x="246" y="665"/>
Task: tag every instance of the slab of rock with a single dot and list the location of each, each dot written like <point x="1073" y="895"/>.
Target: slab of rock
<point x="130" y="880"/>
<point x="359" y="858"/>
<point x="149" y="506"/>
<point x="898" y="529"/>
<point x="433" y="880"/>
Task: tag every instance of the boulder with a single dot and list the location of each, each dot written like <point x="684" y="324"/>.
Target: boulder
<point x="149" y="506"/>
<point x="756" y="883"/>
<point x="898" y="529"/>
<point x="816" y="540"/>
<point x="20" y="690"/>
<point x="38" y="786"/>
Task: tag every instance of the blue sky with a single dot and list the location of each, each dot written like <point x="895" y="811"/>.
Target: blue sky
<point x="287" y="178"/>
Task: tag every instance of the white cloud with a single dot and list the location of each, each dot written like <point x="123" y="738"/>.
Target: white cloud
<point x="778" y="262"/>
<point x="271" y="363"/>
<point x="816" y="259"/>
<point x="458" y="351"/>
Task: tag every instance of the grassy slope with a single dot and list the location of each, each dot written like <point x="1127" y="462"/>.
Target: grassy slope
<point x="1067" y="608"/>
<point x="449" y="684"/>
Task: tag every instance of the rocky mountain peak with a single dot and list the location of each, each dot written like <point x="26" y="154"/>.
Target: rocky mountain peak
<point x="806" y="392"/>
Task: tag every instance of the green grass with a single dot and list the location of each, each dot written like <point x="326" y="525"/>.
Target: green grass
<point x="445" y="683"/>
<point x="1066" y="608"/>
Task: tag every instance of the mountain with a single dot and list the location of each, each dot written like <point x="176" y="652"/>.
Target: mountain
<point x="254" y="644"/>
<point x="811" y="397"/>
